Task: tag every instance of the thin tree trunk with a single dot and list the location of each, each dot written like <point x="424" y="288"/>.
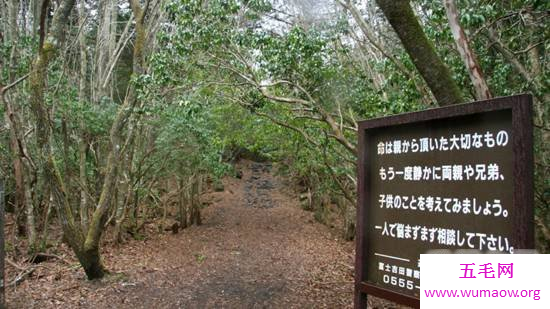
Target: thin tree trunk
<point x="3" y="16"/>
<point x="13" y="9"/>
<point x="195" y="203"/>
<point x="66" y="157"/>
<point x="105" y="45"/>
<point x="47" y="213"/>
<point x="95" y="230"/>
<point x="379" y="45"/>
<point x="466" y="53"/>
<point x="48" y="50"/>
<point x="128" y="186"/>
<point x="19" y="173"/>
<point x="536" y="68"/>
<point x="101" y="49"/>
<point x="17" y="142"/>
<point x="182" y="205"/>
<point x="36" y="6"/>
<point x="13" y="35"/>
<point x="49" y="172"/>
<point x="83" y="148"/>
<point x="83" y="143"/>
<point x="111" y="46"/>
<point x="532" y="82"/>
<point x="122" y="210"/>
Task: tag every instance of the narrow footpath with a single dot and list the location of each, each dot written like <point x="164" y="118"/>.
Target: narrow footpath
<point x="256" y="249"/>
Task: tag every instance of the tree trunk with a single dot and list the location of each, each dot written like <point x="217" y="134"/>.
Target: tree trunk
<point x="37" y="85"/>
<point x="13" y="35"/>
<point x="98" y="219"/>
<point x="182" y="205"/>
<point x="466" y="53"/>
<point x="122" y="211"/>
<point x="16" y="140"/>
<point x="349" y="220"/>
<point x="83" y="144"/>
<point x="91" y="262"/>
<point x="19" y="174"/>
<point x="436" y="74"/>
<point x="105" y="35"/>
<point x="536" y="69"/>
<point x="120" y="215"/>
<point x="533" y="83"/>
<point x="3" y="16"/>
<point x="46" y="220"/>
<point x="86" y="251"/>
<point x="36" y="8"/>
<point x="66" y="160"/>
<point x="128" y="184"/>
<point x="379" y="45"/>
<point x="195" y="203"/>
<point x="83" y="148"/>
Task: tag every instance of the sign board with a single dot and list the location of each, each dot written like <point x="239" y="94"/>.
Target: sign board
<point x="458" y="177"/>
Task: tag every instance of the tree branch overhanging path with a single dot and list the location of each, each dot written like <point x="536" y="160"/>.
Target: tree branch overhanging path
<point x="422" y="52"/>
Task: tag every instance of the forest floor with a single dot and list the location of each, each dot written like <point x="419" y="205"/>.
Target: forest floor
<point x="256" y="249"/>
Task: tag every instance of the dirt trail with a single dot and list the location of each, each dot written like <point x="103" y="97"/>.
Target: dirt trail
<point x="256" y="249"/>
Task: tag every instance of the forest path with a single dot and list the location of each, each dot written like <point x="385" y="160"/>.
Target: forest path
<point x="256" y="249"/>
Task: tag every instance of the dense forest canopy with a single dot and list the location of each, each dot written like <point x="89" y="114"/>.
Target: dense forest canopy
<point x="104" y="103"/>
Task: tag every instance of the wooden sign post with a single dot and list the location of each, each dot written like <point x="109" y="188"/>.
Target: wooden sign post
<point x="457" y="177"/>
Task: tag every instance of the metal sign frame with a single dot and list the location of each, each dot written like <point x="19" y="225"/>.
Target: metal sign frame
<point x="523" y="196"/>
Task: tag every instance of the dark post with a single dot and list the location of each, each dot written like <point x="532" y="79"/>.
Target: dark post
<point x="2" y="251"/>
<point x="360" y="301"/>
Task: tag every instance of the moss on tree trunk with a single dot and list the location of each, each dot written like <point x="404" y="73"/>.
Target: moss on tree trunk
<point x="436" y="74"/>
<point x="91" y="262"/>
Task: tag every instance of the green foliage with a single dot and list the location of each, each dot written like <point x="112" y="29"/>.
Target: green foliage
<point x="200" y="257"/>
<point x="203" y="92"/>
<point x="186" y="142"/>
